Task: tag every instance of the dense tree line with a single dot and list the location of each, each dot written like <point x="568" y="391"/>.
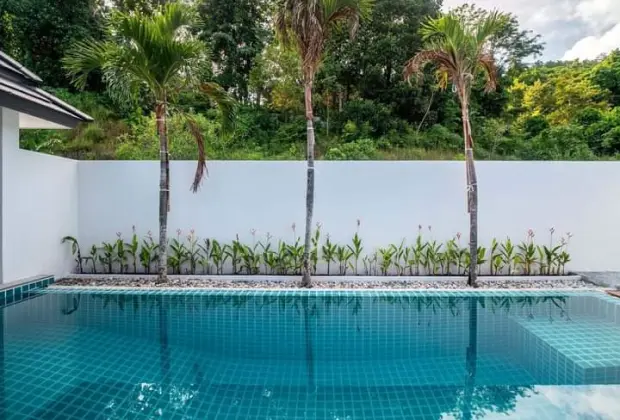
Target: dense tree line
<point x="363" y="107"/>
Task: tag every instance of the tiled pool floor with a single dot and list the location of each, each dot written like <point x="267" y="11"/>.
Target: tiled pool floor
<point x="65" y="357"/>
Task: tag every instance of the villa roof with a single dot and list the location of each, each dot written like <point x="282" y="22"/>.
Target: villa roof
<point x="19" y="90"/>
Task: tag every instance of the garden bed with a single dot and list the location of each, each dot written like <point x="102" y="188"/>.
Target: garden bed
<point x="325" y="282"/>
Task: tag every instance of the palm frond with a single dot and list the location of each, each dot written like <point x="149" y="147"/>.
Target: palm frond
<point x="489" y="26"/>
<point x="201" y="165"/>
<point x="85" y="57"/>
<point x="414" y="67"/>
<point x="306" y="24"/>
<point x="487" y="63"/>
<point x="225" y="103"/>
<point x="458" y="48"/>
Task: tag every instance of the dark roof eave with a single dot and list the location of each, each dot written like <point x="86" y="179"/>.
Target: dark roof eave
<point x="16" y="67"/>
<point x="24" y="105"/>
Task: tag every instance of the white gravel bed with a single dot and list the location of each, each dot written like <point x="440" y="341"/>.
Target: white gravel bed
<point x="323" y="282"/>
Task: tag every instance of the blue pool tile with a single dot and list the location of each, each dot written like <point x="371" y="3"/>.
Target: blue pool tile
<point x="245" y="354"/>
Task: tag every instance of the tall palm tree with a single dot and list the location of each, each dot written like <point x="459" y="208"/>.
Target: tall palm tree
<point x="306" y="25"/>
<point x="157" y="54"/>
<point x="461" y="52"/>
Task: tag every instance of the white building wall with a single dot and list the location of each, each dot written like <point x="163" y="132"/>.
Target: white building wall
<point x="390" y="199"/>
<point x="39" y="207"/>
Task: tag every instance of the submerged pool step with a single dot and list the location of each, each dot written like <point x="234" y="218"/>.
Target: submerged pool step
<point x="439" y="371"/>
<point x="579" y="350"/>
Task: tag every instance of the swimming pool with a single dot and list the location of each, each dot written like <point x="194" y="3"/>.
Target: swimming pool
<point x="309" y="355"/>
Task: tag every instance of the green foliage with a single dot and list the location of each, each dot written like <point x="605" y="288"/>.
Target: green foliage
<point x="236" y="31"/>
<point x="148" y="253"/>
<point x="362" y="149"/>
<point x="421" y="257"/>
<point x="75" y="250"/>
<point x="363" y="108"/>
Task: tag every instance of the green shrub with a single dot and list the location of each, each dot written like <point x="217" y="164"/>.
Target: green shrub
<point x="362" y="149"/>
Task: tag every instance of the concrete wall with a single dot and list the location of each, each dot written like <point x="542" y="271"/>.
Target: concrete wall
<point x="390" y="199"/>
<point x="39" y="207"/>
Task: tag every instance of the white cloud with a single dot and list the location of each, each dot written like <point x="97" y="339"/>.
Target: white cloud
<point x="569" y="28"/>
<point x="591" y="47"/>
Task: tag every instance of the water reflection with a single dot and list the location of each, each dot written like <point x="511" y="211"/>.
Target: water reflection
<point x="318" y="356"/>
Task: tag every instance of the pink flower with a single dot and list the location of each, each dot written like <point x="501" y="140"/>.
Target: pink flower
<point x="530" y="233"/>
<point x="191" y="231"/>
<point x="458" y="235"/>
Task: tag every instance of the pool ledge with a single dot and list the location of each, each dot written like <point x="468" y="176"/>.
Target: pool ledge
<point x="19" y="290"/>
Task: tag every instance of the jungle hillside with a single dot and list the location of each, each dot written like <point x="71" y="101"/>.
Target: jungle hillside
<point x="363" y="107"/>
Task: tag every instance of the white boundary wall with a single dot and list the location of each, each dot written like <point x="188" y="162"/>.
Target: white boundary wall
<point x="390" y="199"/>
<point x="39" y="207"/>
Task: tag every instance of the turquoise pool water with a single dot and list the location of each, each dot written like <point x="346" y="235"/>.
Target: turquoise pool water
<point x="311" y="355"/>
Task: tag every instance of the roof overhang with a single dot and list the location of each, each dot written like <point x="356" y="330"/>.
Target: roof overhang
<point x="37" y="108"/>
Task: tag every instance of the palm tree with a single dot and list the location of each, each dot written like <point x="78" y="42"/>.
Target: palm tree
<point x="306" y="25"/>
<point x="461" y="52"/>
<point x="157" y="54"/>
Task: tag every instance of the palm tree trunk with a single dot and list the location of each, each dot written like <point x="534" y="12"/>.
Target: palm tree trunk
<point x="164" y="191"/>
<point x="306" y="279"/>
<point x="472" y="192"/>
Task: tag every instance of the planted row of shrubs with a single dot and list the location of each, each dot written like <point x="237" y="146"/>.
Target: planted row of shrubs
<point x="190" y="254"/>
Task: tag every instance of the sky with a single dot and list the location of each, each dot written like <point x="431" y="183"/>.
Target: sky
<point x="571" y="29"/>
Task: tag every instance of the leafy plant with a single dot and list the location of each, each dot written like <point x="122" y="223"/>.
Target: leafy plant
<point x="370" y="264"/>
<point x="94" y="251"/>
<point x="75" y="250"/>
<point x="450" y="256"/>
<point x="495" y="257"/>
<point x="481" y="258"/>
<point x="314" y="252"/>
<point x="343" y="255"/>
<point x="218" y="256"/>
<point x="433" y="257"/>
<point x="250" y="257"/>
<point x="233" y="252"/>
<point x="205" y="256"/>
<point x="178" y="254"/>
<point x="418" y="253"/>
<point x="132" y="249"/>
<point x="193" y="252"/>
<point x="329" y="253"/>
<point x="121" y="253"/>
<point x="107" y="256"/>
<point x="148" y="252"/>
<point x="283" y="258"/>
<point x="562" y="259"/>
<point x="269" y="256"/>
<point x="508" y="254"/>
<point x="400" y="257"/>
<point x="356" y="248"/>
<point x="296" y="253"/>
<point x="386" y="255"/>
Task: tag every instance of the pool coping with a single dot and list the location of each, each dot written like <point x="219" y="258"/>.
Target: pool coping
<point x="428" y="291"/>
<point x="17" y="291"/>
<point x="333" y="278"/>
